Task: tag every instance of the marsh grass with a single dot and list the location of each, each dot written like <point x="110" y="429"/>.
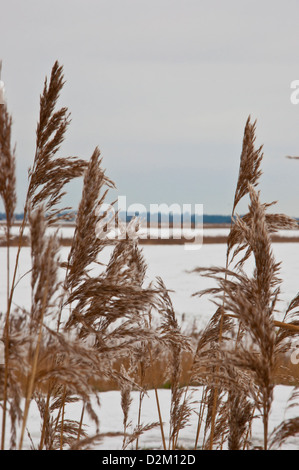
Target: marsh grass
<point x="92" y="331"/>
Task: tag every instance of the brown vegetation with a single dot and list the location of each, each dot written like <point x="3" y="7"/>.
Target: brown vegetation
<point x="90" y="332"/>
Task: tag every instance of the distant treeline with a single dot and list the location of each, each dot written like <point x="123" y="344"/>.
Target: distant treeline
<point x="173" y="218"/>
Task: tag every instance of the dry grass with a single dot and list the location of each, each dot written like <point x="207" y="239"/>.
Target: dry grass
<point x="87" y="333"/>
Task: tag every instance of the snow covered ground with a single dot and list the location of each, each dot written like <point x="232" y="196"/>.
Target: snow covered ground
<point x="67" y="231"/>
<point x="110" y="415"/>
<point x="174" y="264"/>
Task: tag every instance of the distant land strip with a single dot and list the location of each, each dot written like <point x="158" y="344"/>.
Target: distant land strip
<point x="150" y="217"/>
<point x="210" y="239"/>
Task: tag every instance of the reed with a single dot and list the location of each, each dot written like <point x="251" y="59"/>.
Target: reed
<point x="100" y="324"/>
<point x="251" y="302"/>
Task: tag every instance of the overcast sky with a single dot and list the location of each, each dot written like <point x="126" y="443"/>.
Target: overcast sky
<point x="164" y="88"/>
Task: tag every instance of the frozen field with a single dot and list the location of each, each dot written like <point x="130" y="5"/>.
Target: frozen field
<point x="172" y="263"/>
<point x="67" y="232"/>
<point x="110" y="415"/>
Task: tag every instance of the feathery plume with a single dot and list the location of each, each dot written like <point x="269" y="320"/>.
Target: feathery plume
<point x="49" y="175"/>
<point x="251" y="158"/>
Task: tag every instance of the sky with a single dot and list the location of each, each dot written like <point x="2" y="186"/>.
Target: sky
<point x="164" y="89"/>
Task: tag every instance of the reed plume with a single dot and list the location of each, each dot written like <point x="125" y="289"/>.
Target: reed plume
<point x="87" y="243"/>
<point x="250" y="162"/>
<point x="8" y="166"/>
<point x="49" y="174"/>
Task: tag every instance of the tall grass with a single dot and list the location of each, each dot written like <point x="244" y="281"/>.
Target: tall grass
<point x="99" y="323"/>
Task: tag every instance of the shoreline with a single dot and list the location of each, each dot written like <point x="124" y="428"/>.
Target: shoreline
<point x="208" y="238"/>
<point x="65" y="241"/>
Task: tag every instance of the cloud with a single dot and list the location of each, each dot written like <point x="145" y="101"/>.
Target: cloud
<point x="163" y="84"/>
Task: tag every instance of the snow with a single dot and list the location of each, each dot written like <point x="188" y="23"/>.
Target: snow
<point x="152" y="439"/>
<point x="174" y="264"/>
<point x="110" y="416"/>
<point x="67" y="231"/>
